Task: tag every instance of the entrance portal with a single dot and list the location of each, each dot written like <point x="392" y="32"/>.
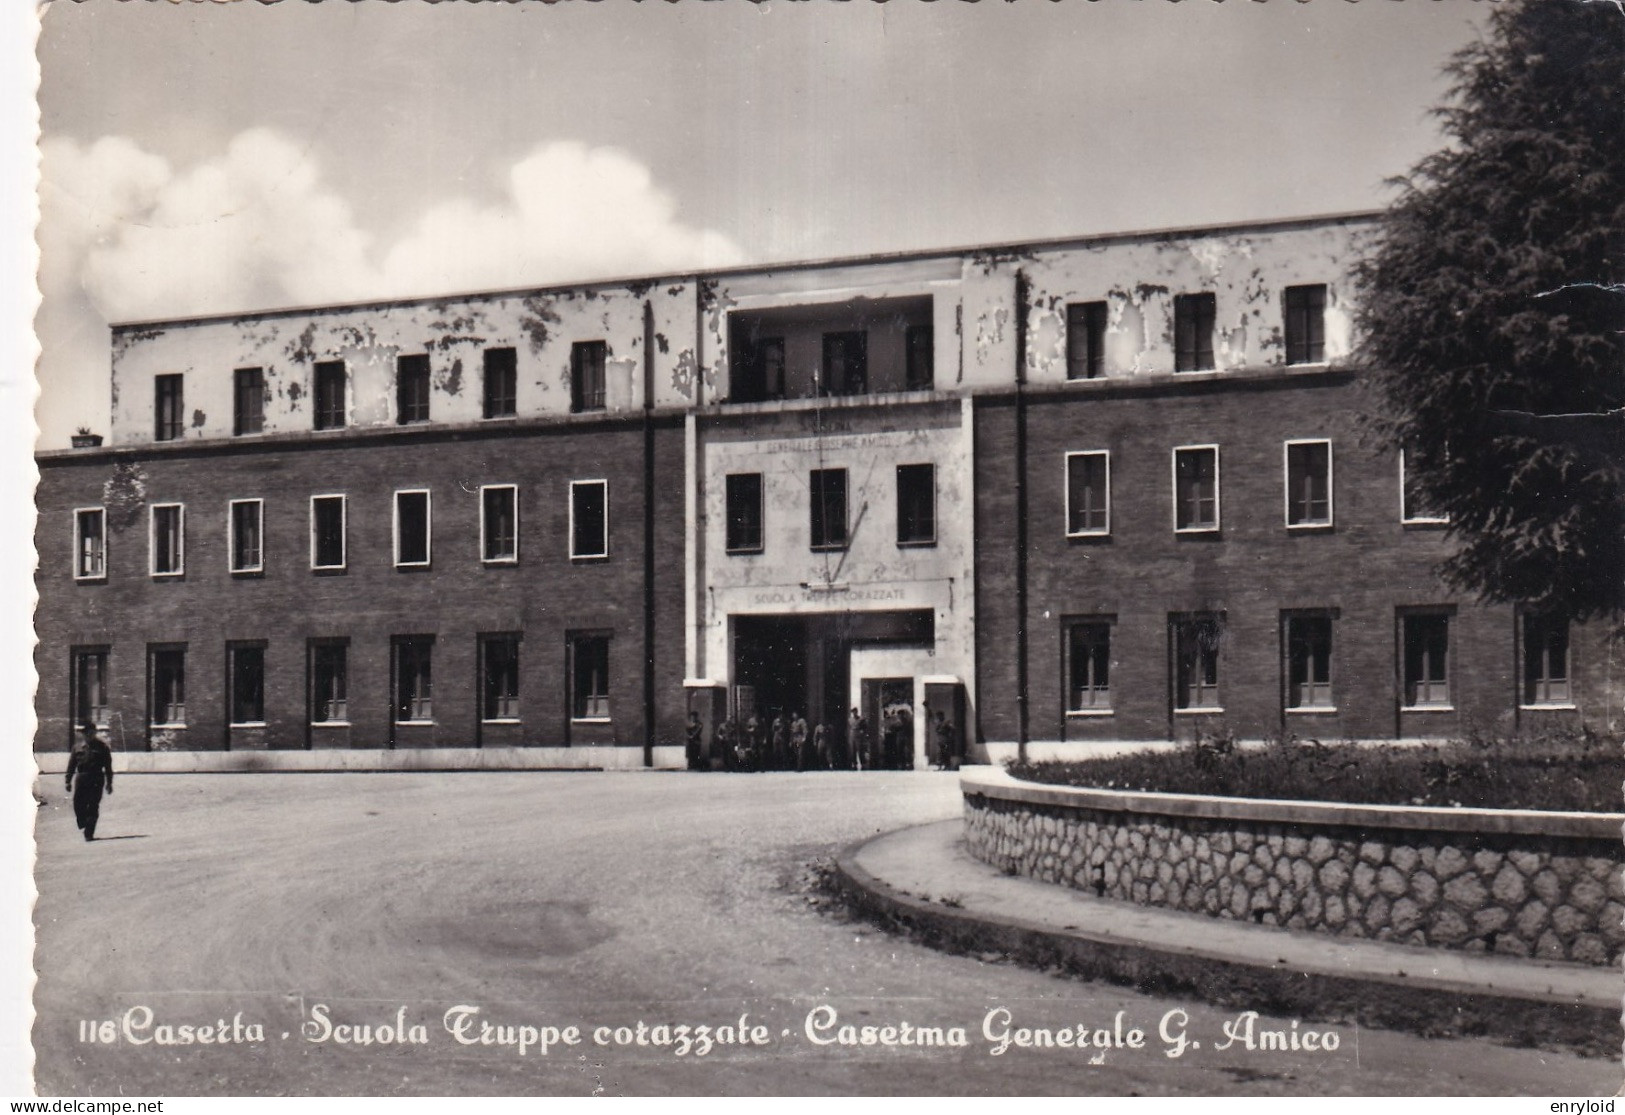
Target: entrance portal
<point x="784" y="665"/>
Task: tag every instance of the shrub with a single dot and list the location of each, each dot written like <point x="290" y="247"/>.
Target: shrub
<point x="1568" y="769"/>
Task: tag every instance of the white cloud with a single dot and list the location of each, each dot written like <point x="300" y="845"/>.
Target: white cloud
<point x="571" y="212"/>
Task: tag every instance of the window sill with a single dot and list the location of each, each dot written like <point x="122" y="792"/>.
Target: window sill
<point x="590" y="720"/>
<point x="165" y="727"/>
<point x="1088" y="535"/>
<point x="589" y="559"/>
<point x="743" y="551"/>
<point x="248" y="724"/>
<point x="329" y="723"/>
<point x="503" y="720"/>
<point x="1424" y="524"/>
<point x="916" y="544"/>
<point x="500" y="561"/>
<point x="1308" y="365"/>
<point x="1197" y="530"/>
<point x="499" y="418"/>
<point x="90" y="579"/>
<point x="180" y="576"/>
<point x="1203" y="710"/>
<point x="329" y="570"/>
<point x="257" y="571"/>
<point x="1317" y="527"/>
<point x="1319" y="710"/>
<point x="414" y="723"/>
<point x="412" y="566"/>
<point x="831" y="549"/>
<point x="1088" y="712"/>
<point x="1427" y="708"/>
<point x="1552" y="707"/>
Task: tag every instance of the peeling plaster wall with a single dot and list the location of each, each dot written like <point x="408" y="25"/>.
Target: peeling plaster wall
<point x="454" y="333"/>
<point x="1247" y="272"/>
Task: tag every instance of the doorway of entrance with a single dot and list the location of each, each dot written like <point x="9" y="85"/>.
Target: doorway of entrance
<point x="888" y="706"/>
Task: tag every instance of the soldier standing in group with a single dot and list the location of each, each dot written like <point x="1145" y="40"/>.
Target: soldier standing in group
<point x="92" y="763"/>
<point x="695" y="741"/>
<point x="857" y="731"/>
<point x="821" y="755"/>
<point x="947" y="744"/>
<point x="798" y="741"/>
<point x="750" y="747"/>
<point x="780" y="744"/>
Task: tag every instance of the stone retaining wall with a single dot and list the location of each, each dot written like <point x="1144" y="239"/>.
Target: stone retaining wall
<point x="1547" y="885"/>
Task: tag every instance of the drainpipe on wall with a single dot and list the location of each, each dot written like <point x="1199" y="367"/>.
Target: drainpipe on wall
<point x="1021" y="515"/>
<point x="648" y="534"/>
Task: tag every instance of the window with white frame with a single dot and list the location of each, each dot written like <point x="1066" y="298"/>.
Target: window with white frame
<point x="88" y="677"/>
<point x="245" y="667"/>
<point x="1425" y="647"/>
<point x="413" y="678"/>
<point x="1088" y="666"/>
<point x="166" y="686"/>
<point x="1308" y="640"/>
<point x="327" y="532"/>
<point x="1196" y="488"/>
<point x="587" y="363"/>
<point x="329" y="681"/>
<point x="168" y="539"/>
<point x="1086" y="340"/>
<point x="411" y="529"/>
<point x="89" y="543"/>
<point x="916" y="505"/>
<point x="1545" y="660"/>
<point x="244" y="523"/>
<point x="589" y="519"/>
<point x="169" y="407"/>
<point x="499" y="677"/>
<point x="589" y="677"/>
<point x="1414" y="506"/>
<point x="1198" y="640"/>
<point x="1308" y="483"/>
<point x="499" y="524"/>
<point x="1088" y="493"/>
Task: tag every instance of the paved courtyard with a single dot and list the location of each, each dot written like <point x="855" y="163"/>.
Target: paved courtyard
<point x="303" y="909"/>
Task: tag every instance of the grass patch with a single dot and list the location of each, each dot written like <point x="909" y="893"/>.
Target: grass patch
<point x="1569" y="769"/>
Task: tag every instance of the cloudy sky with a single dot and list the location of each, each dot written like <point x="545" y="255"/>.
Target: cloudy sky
<point x="207" y="157"/>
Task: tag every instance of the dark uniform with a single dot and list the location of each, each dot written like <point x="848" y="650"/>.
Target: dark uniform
<point x="92" y="762"/>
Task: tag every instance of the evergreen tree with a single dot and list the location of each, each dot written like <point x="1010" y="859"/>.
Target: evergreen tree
<point x="1493" y="312"/>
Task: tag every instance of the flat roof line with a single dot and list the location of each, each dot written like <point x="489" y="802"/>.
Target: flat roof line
<point x="1002" y="248"/>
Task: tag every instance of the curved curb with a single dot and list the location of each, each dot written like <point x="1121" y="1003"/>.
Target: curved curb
<point x="1433" y="1010"/>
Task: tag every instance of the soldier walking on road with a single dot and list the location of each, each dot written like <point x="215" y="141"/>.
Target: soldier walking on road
<point x="92" y="762"/>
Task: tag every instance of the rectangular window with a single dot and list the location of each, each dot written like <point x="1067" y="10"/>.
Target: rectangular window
<point x="1197" y="641"/>
<point x="1309" y="662"/>
<point x="1306" y="324"/>
<point x="499" y="523"/>
<point x="846" y="363"/>
<point x="243" y="522"/>
<point x="916" y="505"/>
<point x="1193" y="332"/>
<point x="1414" y="506"/>
<point x="327" y="515"/>
<point x="412" y="388"/>
<point x="744" y="513"/>
<point x="329" y="682"/>
<point x="1545" y="660"/>
<point x="88" y="677"/>
<point x="168" y="539"/>
<point x="1089" y="666"/>
<point x="89" y="543"/>
<point x="1427" y="659"/>
<point x="1196" y="488"/>
<point x="248" y="399"/>
<point x="413" y="654"/>
<point x="168" y="405"/>
<point x="331" y="410"/>
<point x="827" y="491"/>
<point x="589" y="518"/>
<point x="587" y="360"/>
<point x="499" y="670"/>
<point x="589" y="677"/>
<point x="1085" y="340"/>
<point x="920" y="357"/>
<point x="501" y="382"/>
<point x="245" y="663"/>
<point x="411" y="528"/>
<point x="1088" y="493"/>
<point x="166" y="699"/>
<point x="1308" y="483"/>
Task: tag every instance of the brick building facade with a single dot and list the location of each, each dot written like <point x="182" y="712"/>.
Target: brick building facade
<point x="1101" y="490"/>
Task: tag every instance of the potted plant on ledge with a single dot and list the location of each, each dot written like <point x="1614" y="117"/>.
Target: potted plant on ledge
<point x="84" y="439"/>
